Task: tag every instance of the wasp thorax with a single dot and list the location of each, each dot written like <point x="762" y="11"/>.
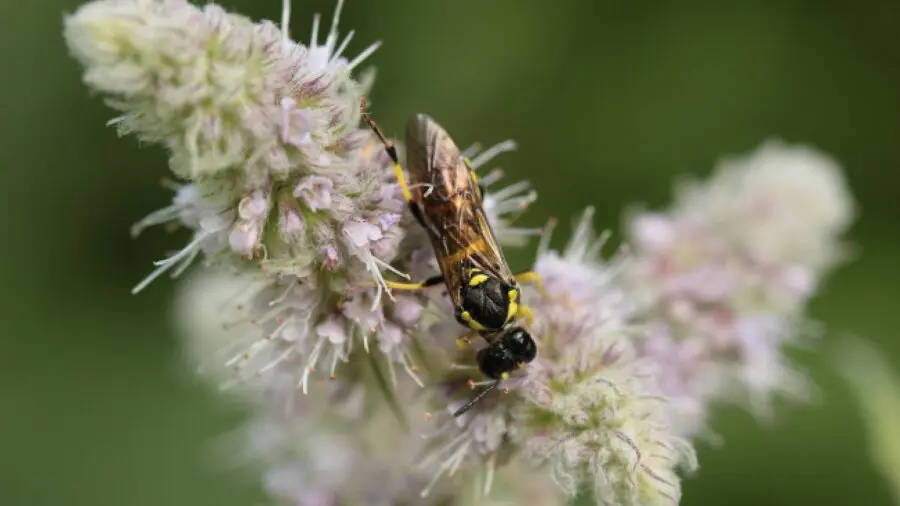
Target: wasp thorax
<point x="485" y="302"/>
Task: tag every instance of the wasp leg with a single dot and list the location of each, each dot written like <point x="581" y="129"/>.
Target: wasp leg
<point x="432" y="281"/>
<point x="391" y="151"/>
<point x="465" y="340"/>
<point x="534" y="279"/>
<point x="417" y="213"/>
<point x="525" y="312"/>
<point x="409" y="287"/>
<point x="395" y="285"/>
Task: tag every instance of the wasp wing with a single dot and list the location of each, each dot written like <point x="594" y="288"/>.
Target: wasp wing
<point x="450" y="206"/>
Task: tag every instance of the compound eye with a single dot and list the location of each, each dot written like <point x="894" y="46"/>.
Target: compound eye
<point x="520" y="344"/>
<point x="493" y="361"/>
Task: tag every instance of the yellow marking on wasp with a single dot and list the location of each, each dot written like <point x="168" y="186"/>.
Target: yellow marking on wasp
<point x="479" y="245"/>
<point x="478" y="279"/>
<point x="474" y="325"/>
<point x="473" y="271"/>
<point x="513" y="304"/>
<point x="534" y="279"/>
<point x="504" y="376"/>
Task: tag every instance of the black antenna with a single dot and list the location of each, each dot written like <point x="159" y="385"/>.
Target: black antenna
<point x="477" y="398"/>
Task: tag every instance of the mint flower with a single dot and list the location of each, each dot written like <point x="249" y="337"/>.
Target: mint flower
<point x="295" y="211"/>
<point x="723" y="276"/>
<point x="263" y="130"/>
<point x="587" y="410"/>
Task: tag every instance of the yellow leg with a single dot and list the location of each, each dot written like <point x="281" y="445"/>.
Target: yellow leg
<point x="396" y="285"/>
<point x="391" y="151"/>
<point x="398" y="171"/>
<point x="463" y="341"/>
<point x="533" y="278"/>
<point x="526" y="313"/>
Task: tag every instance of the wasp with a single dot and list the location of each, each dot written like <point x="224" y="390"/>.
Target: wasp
<point x="445" y="198"/>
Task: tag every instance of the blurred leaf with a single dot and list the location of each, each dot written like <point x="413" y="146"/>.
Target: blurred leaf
<point x="877" y="388"/>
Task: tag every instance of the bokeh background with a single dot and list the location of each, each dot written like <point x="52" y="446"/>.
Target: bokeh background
<point x="609" y="101"/>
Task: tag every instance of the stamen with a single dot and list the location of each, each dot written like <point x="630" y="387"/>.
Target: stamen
<point x="598" y="244"/>
<point x="520" y="232"/>
<point x="544" y="245"/>
<point x="458" y="457"/>
<point x="334" y="361"/>
<point x="451" y="463"/>
<point x="580" y="241"/>
<point x="285" y="22"/>
<point x="493" y="151"/>
<point x="310" y="364"/>
<point x="407" y="365"/>
<point x="489" y="478"/>
<point x="166" y="264"/>
<point x="281" y="358"/>
<point x="392" y="371"/>
<point x="332" y="33"/>
<point x="314" y="38"/>
<point x="185" y="263"/>
<point x="280" y="298"/>
<point x="492" y="177"/>
<point x="472" y="150"/>
<point x="365" y="54"/>
<point x="515" y="204"/>
<point x="343" y="46"/>
<point x="509" y="191"/>
<point x="242" y="358"/>
<point x="434" y="456"/>
<point x="157" y="217"/>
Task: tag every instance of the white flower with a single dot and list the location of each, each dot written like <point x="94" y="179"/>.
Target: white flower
<point x="723" y="277"/>
<point x="265" y="130"/>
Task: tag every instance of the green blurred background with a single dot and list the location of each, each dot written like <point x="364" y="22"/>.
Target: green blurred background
<point x="609" y="103"/>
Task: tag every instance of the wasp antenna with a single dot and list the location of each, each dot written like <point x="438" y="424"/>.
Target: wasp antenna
<point x="367" y="118"/>
<point x="475" y="399"/>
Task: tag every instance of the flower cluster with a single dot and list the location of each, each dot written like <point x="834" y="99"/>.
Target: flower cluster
<point x="587" y="410"/>
<point x="723" y="277"/>
<point x="294" y="209"/>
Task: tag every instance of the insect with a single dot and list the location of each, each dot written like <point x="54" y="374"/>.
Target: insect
<point x="444" y="196"/>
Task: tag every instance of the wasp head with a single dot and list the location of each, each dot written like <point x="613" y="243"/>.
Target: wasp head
<point x="513" y="349"/>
